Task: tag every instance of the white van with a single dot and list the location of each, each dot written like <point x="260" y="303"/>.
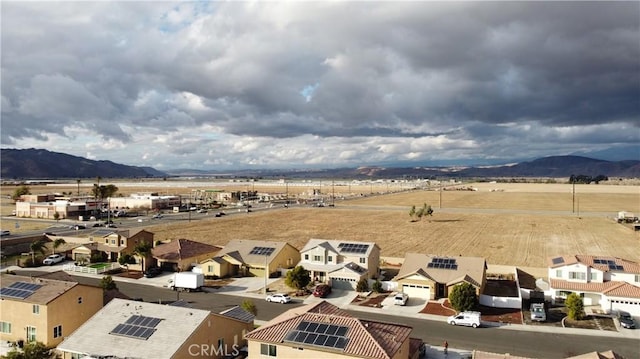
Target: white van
<point x="401" y="299"/>
<point x="471" y="319"/>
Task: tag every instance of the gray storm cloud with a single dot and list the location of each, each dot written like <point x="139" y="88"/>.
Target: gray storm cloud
<point x="384" y="81"/>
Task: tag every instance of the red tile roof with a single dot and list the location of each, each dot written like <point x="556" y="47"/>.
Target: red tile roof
<point x="182" y="249"/>
<point x="611" y="288"/>
<point x="366" y="339"/>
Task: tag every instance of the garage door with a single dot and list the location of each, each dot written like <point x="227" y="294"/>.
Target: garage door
<point x="344" y="283"/>
<point x="416" y="291"/>
<point x="630" y="306"/>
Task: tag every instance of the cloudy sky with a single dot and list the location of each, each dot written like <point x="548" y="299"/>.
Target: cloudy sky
<point x="318" y="84"/>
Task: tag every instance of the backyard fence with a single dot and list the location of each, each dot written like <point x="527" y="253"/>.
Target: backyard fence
<point x="90" y="270"/>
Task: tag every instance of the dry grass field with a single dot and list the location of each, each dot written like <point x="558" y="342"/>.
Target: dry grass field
<point x="521" y="224"/>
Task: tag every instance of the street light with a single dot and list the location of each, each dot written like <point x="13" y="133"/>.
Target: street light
<point x="266" y="273"/>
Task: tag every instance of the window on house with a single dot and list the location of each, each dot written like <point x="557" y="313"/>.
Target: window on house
<point x="113" y="241"/>
<point x="36" y="309"/>
<point x="221" y="345"/>
<point x="363" y="260"/>
<point x="209" y="269"/>
<point x="577" y="275"/>
<point x="31" y="334"/>
<point x="329" y="258"/>
<point x="122" y="242"/>
<point x="306" y="257"/>
<point x="593" y="276"/>
<point x="5" y="327"/>
<point x="559" y="273"/>
<point x="106" y="241"/>
<point x="637" y="279"/>
<point x="317" y="258"/>
<point x="79" y="300"/>
<point x="268" y="350"/>
<point x="57" y="331"/>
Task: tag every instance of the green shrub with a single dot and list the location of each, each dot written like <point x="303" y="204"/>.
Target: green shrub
<point x="575" y="306"/>
<point x="463" y="297"/>
<point x="363" y="285"/>
<point x="377" y="286"/>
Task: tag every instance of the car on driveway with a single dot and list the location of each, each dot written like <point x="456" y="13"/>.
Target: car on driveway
<point x="322" y="290"/>
<point x="626" y="321"/>
<point x="537" y="312"/>
<point x="53" y="259"/>
<point x="278" y="298"/>
<point x="153" y="272"/>
<point x="401" y="299"/>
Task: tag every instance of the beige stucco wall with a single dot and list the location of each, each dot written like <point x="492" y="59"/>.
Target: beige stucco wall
<point x="64" y="310"/>
<point x="288" y="257"/>
<point x="204" y="341"/>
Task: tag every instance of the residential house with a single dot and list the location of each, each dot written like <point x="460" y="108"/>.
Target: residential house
<point x="131" y="329"/>
<point x="609" y="282"/>
<point x="250" y="258"/>
<point x="340" y="263"/>
<point x="322" y="330"/>
<point x="182" y="254"/>
<point x="44" y="310"/>
<point x="111" y="244"/>
<point x="431" y="277"/>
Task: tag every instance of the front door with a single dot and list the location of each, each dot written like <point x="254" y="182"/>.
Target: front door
<point x="440" y="290"/>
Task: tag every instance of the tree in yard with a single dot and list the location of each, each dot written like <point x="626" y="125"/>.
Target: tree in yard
<point x="363" y="285"/>
<point x="463" y="297"/>
<point x="412" y="213"/>
<point x="37" y="246"/>
<point x="126" y="259"/>
<point x="142" y="249"/>
<point x="297" y="278"/>
<point x="24" y="189"/>
<point x="57" y="243"/>
<point x="107" y="283"/>
<point x="575" y="306"/>
<point x="33" y="350"/>
<point x="248" y="306"/>
<point x="56" y="216"/>
<point x="377" y="286"/>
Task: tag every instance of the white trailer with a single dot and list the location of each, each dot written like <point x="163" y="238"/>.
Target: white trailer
<point x="187" y="281"/>
<point x="626" y="217"/>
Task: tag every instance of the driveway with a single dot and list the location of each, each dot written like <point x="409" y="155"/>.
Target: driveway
<point x="339" y="298"/>
<point x="253" y="285"/>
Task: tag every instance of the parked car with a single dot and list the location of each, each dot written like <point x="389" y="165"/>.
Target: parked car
<point x="79" y="226"/>
<point x="322" y="290"/>
<point x="153" y="272"/>
<point x="471" y="319"/>
<point x="53" y="259"/>
<point x="626" y="321"/>
<point x="202" y="210"/>
<point x="401" y="299"/>
<point x="279" y="298"/>
<point x="537" y="312"/>
<point x="5" y="233"/>
<point x="157" y="216"/>
<point x="220" y="214"/>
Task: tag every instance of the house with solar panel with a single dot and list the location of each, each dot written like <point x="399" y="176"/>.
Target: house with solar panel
<point x="44" y="310"/>
<point x="322" y="330"/>
<point x="131" y="329"/>
<point x="431" y="277"/>
<point x="609" y="282"/>
<point x="250" y="258"/>
<point x="341" y="264"/>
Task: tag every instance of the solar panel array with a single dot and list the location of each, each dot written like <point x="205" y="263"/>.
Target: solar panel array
<point x="262" y="251"/>
<point x="319" y="334"/>
<point x="557" y="260"/>
<point x="608" y="262"/>
<point x="353" y="248"/>
<point x="137" y="326"/>
<point x="20" y="290"/>
<point x="443" y="263"/>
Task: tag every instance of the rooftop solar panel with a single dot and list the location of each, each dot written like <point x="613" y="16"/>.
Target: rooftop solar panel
<point x="262" y="251"/>
<point x="319" y="334"/>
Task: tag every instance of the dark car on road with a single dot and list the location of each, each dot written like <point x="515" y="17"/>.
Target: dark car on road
<point x="322" y="290"/>
<point x="626" y="321"/>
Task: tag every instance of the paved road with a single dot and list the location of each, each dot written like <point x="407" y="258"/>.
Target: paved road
<point x="498" y="340"/>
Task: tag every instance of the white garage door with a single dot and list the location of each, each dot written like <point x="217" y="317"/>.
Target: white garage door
<point x="630" y="306"/>
<point x="416" y="291"/>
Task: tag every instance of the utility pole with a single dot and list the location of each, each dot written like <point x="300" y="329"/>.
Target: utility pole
<point x="573" y="200"/>
<point x="266" y="273"/>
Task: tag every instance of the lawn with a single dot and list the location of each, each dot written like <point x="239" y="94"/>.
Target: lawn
<point x="99" y="265"/>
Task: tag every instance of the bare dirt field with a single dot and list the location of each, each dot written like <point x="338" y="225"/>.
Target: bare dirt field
<point x="528" y="236"/>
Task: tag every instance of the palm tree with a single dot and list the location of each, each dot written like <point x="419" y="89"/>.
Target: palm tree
<point x="78" y="181"/>
<point x="37" y="246"/>
<point x="142" y="249"/>
<point x="57" y="243"/>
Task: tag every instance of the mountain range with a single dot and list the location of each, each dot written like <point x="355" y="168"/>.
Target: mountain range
<point x="43" y="164"/>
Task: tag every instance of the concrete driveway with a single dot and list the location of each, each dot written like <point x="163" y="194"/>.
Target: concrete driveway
<point x="339" y="298"/>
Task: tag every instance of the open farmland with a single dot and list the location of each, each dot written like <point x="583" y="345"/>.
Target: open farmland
<point x="520" y="224"/>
